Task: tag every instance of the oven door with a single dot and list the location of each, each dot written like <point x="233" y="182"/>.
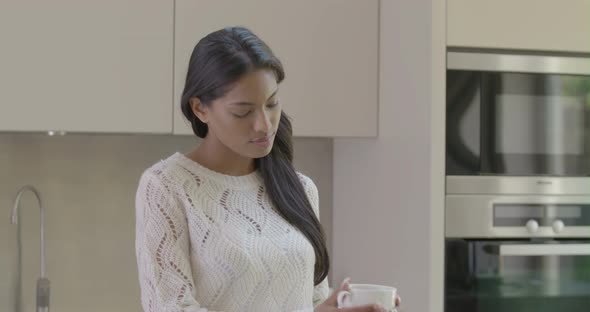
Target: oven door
<point x="517" y="275"/>
<point x="518" y="115"/>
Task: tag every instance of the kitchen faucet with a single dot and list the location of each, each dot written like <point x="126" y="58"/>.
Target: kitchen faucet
<point x="42" y="282"/>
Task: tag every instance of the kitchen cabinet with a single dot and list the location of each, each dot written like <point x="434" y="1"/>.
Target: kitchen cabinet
<point x="541" y="25"/>
<point x="86" y="66"/>
<point x="329" y="50"/>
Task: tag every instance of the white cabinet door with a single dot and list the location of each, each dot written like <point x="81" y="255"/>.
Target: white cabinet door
<point x="546" y="25"/>
<point x="86" y="66"/>
<point x="329" y="49"/>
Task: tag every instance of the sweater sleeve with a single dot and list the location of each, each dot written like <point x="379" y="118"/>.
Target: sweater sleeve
<point x="162" y="249"/>
<point x="320" y="291"/>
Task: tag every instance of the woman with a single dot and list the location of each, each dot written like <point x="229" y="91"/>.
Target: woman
<point x="231" y="226"/>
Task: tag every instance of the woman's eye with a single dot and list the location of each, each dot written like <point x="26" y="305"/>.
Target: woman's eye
<point x="243" y="114"/>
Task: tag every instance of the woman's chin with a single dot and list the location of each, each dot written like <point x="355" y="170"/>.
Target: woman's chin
<point x="259" y="152"/>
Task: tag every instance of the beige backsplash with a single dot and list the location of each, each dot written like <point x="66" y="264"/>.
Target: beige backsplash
<point x="88" y="184"/>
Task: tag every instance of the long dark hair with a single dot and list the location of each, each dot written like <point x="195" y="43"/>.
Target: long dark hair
<point x="217" y="61"/>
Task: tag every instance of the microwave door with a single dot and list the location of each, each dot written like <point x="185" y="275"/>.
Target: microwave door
<point x="517" y="115"/>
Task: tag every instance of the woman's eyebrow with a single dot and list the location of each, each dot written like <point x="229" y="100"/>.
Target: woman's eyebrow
<point x="252" y="104"/>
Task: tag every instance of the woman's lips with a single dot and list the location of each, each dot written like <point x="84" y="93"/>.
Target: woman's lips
<point x="262" y="142"/>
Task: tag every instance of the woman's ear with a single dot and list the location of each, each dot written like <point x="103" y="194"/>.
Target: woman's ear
<point x="199" y="109"/>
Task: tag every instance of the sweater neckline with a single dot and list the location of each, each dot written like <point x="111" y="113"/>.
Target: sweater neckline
<point x="250" y="180"/>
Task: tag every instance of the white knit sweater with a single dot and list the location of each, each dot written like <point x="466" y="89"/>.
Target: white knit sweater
<point x="206" y="241"/>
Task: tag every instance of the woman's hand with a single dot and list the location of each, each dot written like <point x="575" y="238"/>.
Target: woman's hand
<point x="331" y="304"/>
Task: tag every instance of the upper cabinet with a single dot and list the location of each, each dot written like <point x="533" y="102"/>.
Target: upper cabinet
<point x="543" y="25"/>
<point x="329" y="50"/>
<point x="86" y="66"/>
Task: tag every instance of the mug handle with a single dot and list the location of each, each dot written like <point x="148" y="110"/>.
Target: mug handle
<point x="343" y="299"/>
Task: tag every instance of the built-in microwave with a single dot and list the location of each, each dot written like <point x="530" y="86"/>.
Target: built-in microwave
<point x="517" y="114"/>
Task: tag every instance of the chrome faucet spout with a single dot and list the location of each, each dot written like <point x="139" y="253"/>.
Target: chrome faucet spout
<point x="14" y="219"/>
<point x="42" y="283"/>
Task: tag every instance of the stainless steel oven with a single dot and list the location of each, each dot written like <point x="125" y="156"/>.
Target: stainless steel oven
<point x="517" y="114"/>
<point x="517" y="252"/>
<point x="517" y="210"/>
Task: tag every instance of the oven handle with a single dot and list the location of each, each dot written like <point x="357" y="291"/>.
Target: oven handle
<point x="544" y="64"/>
<point x="545" y="250"/>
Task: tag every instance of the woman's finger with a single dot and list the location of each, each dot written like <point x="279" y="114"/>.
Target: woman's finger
<point x="365" y="308"/>
<point x="333" y="299"/>
<point x="345" y="284"/>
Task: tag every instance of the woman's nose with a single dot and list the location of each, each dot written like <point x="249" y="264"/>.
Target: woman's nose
<point x="262" y="123"/>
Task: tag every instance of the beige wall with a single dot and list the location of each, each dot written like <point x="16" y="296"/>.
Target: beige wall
<point x="88" y="186"/>
<point x="389" y="191"/>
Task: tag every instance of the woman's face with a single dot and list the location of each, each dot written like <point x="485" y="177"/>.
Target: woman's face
<point x="246" y="118"/>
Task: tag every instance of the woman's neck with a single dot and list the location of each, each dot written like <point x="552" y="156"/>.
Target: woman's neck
<point x="220" y="158"/>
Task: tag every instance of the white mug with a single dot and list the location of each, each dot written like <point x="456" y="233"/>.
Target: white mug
<point x="361" y="294"/>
